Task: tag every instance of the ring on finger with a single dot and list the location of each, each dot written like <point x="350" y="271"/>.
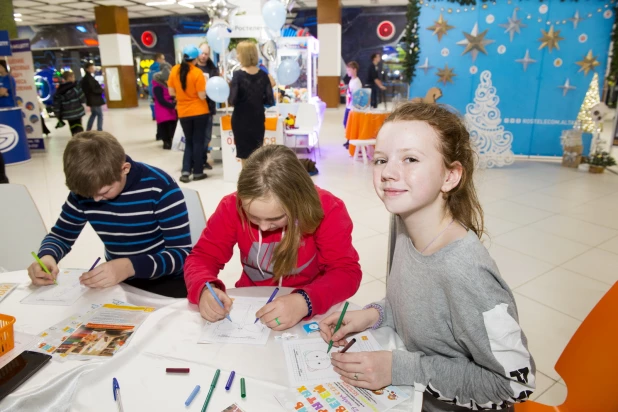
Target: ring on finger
<point x="277" y="320"/>
<point x="356" y="376"/>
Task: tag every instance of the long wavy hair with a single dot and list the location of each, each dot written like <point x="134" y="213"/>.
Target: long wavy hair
<point x="462" y="202"/>
<point x="275" y="171"/>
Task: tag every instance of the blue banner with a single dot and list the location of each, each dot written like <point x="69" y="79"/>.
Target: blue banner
<point x="5" y="44"/>
<point x="13" y="142"/>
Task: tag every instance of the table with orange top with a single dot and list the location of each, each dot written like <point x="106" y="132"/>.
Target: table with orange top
<point x="364" y="125"/>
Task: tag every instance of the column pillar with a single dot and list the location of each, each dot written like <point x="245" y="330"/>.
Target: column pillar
<point x="7" y="21"/>
<point x="116" y="56"/>
<point x="329" y="37"/>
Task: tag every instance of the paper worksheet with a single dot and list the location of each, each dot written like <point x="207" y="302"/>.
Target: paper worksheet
<point x="107" y="330"/>
<point x="6" y="288"/>
<point x="339" y="396"/>
<point x="242" y="329"/>
<point x="65" y="293"/>
<point x="308" y="362"/>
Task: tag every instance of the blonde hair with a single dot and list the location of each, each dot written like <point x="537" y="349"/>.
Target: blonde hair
<point x="92" y="160"/>
<point x="275" y="171"/>
<point x="247" y="54"/>
<point x="454" y="143"/>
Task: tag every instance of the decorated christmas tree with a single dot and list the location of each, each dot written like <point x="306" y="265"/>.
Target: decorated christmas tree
<point x="492" y="142"/>
<point x="592" y="98"/>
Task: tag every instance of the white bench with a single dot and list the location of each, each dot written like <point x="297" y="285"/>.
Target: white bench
<point x="361" y="145"/>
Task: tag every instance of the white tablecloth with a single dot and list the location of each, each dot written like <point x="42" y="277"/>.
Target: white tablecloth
<point x="167" y="339"/>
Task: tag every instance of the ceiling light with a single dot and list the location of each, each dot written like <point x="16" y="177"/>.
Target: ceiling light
<point x="16" y="14"/>
<point x="184" y="4"/>
<point x="17" y="19"/>
<point x="194" y="1"/>
<point x="161" y="3"/>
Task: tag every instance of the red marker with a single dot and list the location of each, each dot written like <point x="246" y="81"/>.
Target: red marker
<point x="348" y="346"/>
<point x="177" y="370"/>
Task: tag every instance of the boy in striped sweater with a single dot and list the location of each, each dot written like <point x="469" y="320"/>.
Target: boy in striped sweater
<point x="137" y="210"/>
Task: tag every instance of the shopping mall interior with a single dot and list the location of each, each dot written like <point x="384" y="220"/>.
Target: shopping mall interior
<point x="533" y="82"/>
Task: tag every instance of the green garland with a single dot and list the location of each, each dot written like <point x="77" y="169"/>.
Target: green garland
<point x="410" y="40"/>
<point x="613" y="67"/>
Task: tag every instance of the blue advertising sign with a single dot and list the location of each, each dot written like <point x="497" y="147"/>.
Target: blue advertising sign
<point x="5" y="43"/>
<point x="13" y="141"/>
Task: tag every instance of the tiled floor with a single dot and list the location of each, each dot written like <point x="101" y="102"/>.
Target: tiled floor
<point x="552" y="231"/>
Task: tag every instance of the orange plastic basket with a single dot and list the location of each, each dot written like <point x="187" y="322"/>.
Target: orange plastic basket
<point x="7" y="340"/>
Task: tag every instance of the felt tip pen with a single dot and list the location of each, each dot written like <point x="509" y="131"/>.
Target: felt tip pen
<point x="270" y="299"/>
<point x="243" y="391"/>
<point x="214" y="295"/>
<point x="228" y="385"/>
<point x="348" y="346"/>
<point x="211" y="390"/>
<point x="117" y="398"/>
<point x="192" y="396"/>
<point x="345" y="307"/>
<point x="94" y="265"/>
<point x="42" y="265"/>
<point x="177" y="370"/>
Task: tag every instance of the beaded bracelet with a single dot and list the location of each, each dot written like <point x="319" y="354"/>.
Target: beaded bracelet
<point x="304" y="295"/>
<point x="380" y="310"/>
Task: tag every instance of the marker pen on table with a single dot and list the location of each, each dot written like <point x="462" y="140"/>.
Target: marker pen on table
<point x="192" y="396"/>
<point x="228" y="385"/>
<point x="212" y="389"/>
<point x="243" y="391"/>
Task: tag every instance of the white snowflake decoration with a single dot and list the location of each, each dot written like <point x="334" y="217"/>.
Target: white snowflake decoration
<point x="491" y="141"/>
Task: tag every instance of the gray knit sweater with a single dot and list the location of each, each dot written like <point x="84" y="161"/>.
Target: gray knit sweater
<point x="458" y="321"/>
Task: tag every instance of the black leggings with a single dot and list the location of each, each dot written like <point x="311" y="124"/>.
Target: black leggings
<point x="3" y="178"/>
<point x="173" y="287"/>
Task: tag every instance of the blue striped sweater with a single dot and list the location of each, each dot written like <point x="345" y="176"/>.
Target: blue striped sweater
<point x="147" y="223"/>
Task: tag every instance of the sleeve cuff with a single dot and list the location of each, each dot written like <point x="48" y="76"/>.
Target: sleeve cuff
<point x="406" y="368"/>
<point x="195" y="293"/>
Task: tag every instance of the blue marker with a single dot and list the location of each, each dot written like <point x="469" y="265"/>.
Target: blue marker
<point x="228" y="385"/>
<point x="270" y="299"/>
<point x="212" y="291"/>
<point x="192" y="396"/>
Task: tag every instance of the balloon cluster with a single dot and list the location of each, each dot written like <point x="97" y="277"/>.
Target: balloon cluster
<point x="274" y="14"/>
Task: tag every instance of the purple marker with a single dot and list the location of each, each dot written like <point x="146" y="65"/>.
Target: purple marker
<point x="94" y="264"/>
<point x="228" y="385"/>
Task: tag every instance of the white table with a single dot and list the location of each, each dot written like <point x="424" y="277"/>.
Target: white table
<point x="167" y="339"/>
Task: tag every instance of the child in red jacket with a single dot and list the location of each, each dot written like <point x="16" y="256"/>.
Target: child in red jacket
<point x="290" y="233"/>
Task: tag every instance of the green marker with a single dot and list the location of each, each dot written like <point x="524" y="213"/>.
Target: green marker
<point x="345" y="307"/>
<point x="43" y="266"/>
<point x="212" y="389"/>
<point x="243" y="392"/>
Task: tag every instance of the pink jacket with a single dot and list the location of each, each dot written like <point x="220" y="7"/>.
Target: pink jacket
<point x="162" y="113"/>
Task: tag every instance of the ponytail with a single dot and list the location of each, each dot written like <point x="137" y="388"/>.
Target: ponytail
<point x="185" y="67"/>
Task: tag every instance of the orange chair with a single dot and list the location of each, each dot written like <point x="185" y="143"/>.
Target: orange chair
<point x="589" y="363"/>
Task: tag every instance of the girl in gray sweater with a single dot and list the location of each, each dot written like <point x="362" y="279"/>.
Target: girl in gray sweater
<point x="445" y="297"/>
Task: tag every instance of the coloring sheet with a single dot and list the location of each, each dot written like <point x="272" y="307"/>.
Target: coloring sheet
<point x="242" y="329"/>
<point x="308" y="362"/>
<point x="65" y="293"/>
<point x="6" y="288"/>
<point x="340" y="397"/>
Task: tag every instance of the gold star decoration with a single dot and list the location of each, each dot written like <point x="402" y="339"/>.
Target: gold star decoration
<point x="445" y="75"/>
<point x="550" y="39"/>
<point x="475" y="42"/>
<point x="440" y="27"/>
<point x="588" y="64"/>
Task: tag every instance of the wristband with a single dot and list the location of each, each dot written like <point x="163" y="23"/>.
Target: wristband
<point x="380" y="310"/>
<point x="307" y="300"/>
